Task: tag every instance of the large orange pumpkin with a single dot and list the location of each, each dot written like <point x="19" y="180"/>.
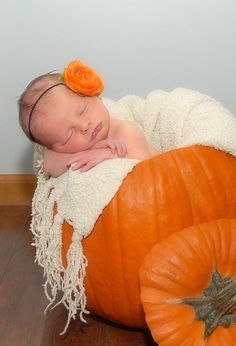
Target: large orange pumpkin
<point x="188" y="286"/>
<point x="161" y="196"/>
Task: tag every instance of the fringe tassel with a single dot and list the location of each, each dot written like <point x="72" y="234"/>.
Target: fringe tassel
<point x="47" y="231"/>
<point x="53" y="267"/>
<point x="74" y="297"/>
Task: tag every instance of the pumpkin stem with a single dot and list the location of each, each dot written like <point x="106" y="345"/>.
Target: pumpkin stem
<point x="217" y="306"/>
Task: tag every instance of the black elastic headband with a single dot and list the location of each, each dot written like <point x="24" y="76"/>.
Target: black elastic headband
<point x="33" y="108"/>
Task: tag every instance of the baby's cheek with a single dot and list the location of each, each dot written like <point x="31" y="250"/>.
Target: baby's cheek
<point x="80" y="143"/>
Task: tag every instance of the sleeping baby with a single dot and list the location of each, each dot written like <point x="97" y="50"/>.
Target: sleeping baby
<point x="65" y="114"/>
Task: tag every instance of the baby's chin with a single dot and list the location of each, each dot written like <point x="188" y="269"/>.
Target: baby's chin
<point x="103" y="134"/>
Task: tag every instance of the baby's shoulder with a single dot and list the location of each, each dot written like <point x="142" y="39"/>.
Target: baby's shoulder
<point x="122" y="129"/>
<point x="129" y="130"/>
<point x="131" y="126"/>
<point x="127" y="125"/>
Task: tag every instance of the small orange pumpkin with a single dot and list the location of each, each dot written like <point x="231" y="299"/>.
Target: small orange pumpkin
<point x="161" y="196"/>
<point x="188" y="286"/>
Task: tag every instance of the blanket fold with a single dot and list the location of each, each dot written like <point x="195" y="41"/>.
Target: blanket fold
<point x="169" y="120"/>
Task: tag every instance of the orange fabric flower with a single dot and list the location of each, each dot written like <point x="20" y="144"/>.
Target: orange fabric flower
<point x="82" y="79"/>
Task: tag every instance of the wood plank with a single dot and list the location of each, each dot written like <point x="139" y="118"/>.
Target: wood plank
<point x="22" y="298"/>
<point x="97" y="332"/>
<point x="12" y="222"/>
<point x="23" y="301"/>
<point x="17" y="189"/>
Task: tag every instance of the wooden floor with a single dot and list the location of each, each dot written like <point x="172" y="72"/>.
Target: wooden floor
<point x="22" y="322"/>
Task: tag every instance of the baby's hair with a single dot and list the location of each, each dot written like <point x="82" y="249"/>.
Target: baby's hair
<point x="30" y="95"/>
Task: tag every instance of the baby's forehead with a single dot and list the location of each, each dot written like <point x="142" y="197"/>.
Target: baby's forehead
<point x="60" y="98"/>
<point x="63" y="93"/>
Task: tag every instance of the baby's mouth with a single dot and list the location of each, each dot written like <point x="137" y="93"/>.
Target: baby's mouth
<point x="96" y="130"/>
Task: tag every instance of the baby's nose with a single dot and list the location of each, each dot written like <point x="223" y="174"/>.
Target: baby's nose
<point x="84" y="127"/>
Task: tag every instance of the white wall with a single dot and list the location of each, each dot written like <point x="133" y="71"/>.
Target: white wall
<point x="136" y="45"/>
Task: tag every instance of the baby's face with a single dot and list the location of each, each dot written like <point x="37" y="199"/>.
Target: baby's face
<point x="73" y="123"/>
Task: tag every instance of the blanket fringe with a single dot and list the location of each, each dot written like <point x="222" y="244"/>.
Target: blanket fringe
<point x="74" y="297"/>
<point x="47" y="231"/>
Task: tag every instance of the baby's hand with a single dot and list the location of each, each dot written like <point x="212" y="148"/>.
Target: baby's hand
<point x="87" y="159"/>
<point x="116" y="146"/>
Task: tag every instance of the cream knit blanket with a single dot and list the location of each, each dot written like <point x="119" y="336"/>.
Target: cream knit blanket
<point x="169" y="120"/>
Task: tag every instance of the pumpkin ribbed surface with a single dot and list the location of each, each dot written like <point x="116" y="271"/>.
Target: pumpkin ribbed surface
<point x="188" y="286"/>
<point x="160" y="196"/>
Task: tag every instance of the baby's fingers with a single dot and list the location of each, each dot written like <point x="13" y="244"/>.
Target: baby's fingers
<point x="116" y="147"/>
<point x="71" y="161"/>
<point x="113" y="147"/>
<point x="121" y="149"/>
<point x="78" y="164"/>
<point x="88" y="166"/>
<point x="75" y="166"/>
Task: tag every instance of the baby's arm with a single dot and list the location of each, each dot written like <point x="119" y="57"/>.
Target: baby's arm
<point x="88" y="159"/>
<point x="117" y="147"/>
<point x="137" y="145"/>
<point x="55" y="163"/>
